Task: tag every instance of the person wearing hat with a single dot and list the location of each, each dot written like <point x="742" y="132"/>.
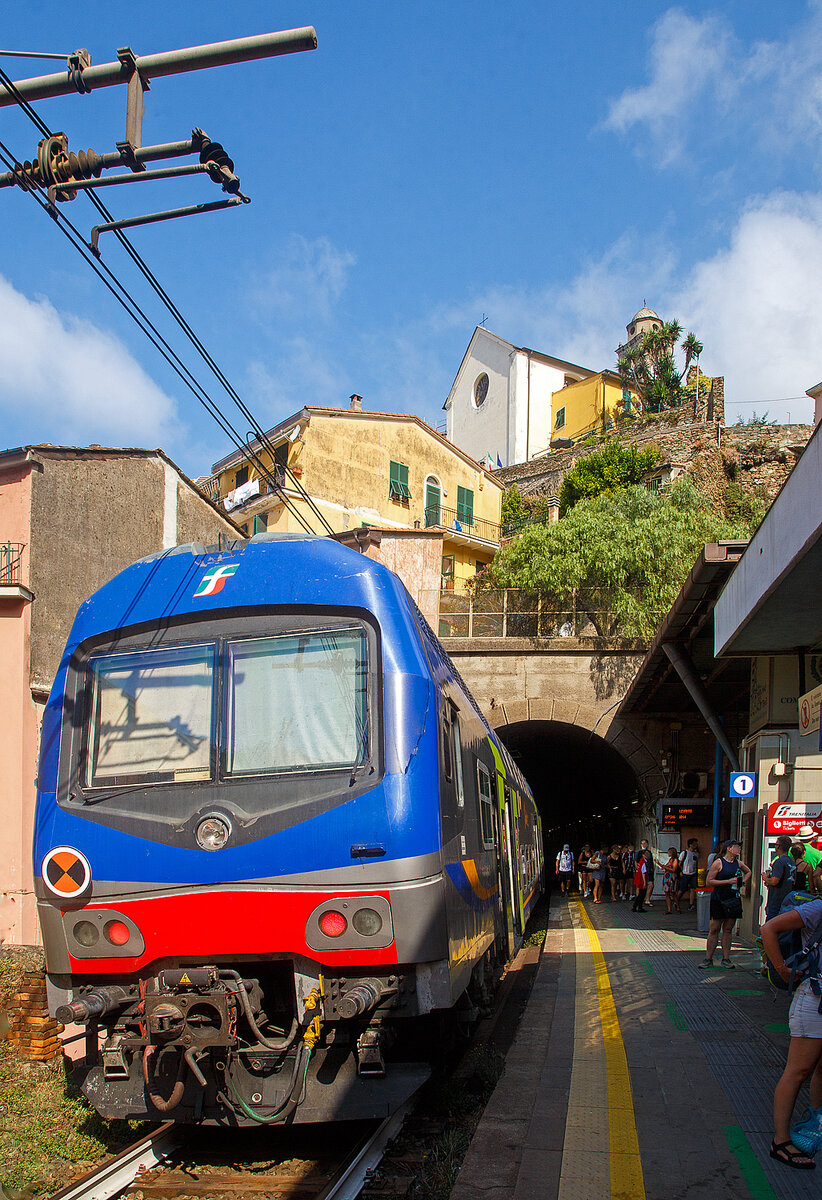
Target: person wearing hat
<point x="565" y="868"/>
<point x="807" y="835"/>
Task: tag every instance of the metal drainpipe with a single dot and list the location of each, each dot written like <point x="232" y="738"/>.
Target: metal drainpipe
<point x="528" y="411"/>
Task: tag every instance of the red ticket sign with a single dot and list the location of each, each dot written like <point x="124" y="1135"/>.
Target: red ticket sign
<point x="790" y="818"/>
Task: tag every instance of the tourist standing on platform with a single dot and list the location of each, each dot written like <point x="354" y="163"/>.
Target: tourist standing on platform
<point x="689" y="876"/>
<point x="565" y="868"/>
<point x="641" y="880"/>
<point x="780" y="877"/>
<point x="628" y="868"/>
<point x="597" y="869"/>
<point x="805" y="1023"/>
<point x="806" y="837"/>
<point x="804" y="878"/>
<point x="726" y="875"/>
<point x="645" y="850"/>
<point x="670" y="883"/>
<point x="582" y="868"/>
<point x="614" y="865"/>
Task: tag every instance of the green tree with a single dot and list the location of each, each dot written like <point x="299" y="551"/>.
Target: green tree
<point x="755" y="419"/>
<point x="605" y="472"/>
<point x="649" y="368"/>
<point x="618" y="560"/>
<point x="514" y="509"/>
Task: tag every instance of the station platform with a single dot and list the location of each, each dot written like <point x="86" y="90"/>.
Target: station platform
<point x="635" y="1075"/>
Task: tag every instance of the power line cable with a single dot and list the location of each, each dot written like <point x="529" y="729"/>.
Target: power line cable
<point x="137" y="314"/>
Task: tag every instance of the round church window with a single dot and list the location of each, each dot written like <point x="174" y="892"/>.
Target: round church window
<point x="481" y="390"/>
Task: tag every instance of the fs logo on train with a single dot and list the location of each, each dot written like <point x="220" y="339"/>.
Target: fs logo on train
<point x="214" y="580"/>
<point x="66" y="872"/>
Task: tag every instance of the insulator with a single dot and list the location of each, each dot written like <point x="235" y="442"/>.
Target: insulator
<point x="214" y="152"/>
<point x="85" y="163"/>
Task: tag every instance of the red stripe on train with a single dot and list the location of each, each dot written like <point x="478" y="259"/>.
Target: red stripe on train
<point x="205" y="925"/>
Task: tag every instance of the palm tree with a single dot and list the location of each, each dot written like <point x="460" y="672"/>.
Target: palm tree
<point x="649" y="367"/>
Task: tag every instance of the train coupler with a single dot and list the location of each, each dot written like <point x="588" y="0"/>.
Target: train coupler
<point x="369" y="1053"/>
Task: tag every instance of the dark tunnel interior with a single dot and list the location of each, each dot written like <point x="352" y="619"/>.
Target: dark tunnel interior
<point x="583" y="787"/>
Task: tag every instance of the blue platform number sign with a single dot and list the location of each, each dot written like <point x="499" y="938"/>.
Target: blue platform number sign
<point x="743" y="784"/>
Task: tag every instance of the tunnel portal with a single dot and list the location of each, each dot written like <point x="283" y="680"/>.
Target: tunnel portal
<point x="583" y="787"/>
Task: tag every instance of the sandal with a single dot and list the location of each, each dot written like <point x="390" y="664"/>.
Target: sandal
<point x="791" y="1157"/>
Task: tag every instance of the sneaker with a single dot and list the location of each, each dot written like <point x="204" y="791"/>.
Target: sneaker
<point x="706" y="963"/>
<point x="726" y="962"/>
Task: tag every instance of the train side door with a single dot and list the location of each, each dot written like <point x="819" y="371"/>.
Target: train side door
<point x="508" y="869"/>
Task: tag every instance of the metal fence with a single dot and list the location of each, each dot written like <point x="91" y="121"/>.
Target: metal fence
<point x="10" y="555"/>
<point x="510" y="612"/>
<point x="461" y="522"/>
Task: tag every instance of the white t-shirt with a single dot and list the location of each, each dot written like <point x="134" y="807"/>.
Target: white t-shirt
<point x="689" y="860"/>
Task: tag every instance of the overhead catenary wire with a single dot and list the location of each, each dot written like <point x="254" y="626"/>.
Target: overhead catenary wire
<point x="157" y="339"/>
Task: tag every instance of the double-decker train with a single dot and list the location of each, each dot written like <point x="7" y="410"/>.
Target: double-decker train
<point x="274" y="834"/>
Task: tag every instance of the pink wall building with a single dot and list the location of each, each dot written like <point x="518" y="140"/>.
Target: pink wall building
<point x="70" y="519"/>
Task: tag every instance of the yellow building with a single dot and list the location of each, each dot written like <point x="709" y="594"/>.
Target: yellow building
<point x="358" y="469"/>
<point x="590" y="405"/>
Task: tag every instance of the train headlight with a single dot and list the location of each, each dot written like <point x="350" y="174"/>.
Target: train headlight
<point x="213" y="833"/>
<point x="86" y="934"/>
<point x="333" y="924"/>
<point x="117" y="932"/>
<point x="367" y="921"/>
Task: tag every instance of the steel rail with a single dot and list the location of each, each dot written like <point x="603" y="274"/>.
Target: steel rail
<point x="112" y="1176"/>
<point x="168" y="62"/>
<point x="349" y="1182"/>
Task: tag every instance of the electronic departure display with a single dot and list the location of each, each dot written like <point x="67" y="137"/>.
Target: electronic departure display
<point x="674" y="816"/>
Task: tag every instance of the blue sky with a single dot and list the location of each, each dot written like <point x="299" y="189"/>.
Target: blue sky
<point x="549" y="167"/>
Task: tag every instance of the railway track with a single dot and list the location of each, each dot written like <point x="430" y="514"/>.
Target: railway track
<point x="295" y="1163"/>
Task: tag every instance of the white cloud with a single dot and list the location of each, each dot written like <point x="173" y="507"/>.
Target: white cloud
<point x="64" y="379"/>
<point x="308" y="280"/>
<point x="705" y="87"/>
<point x="687" y="56"/>
<point x="758" y="305"/>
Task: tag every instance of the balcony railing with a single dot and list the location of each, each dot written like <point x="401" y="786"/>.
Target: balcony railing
<point x="10" y="555"/>
<point x="512" y="613"/>
<point x="461" y="522"/>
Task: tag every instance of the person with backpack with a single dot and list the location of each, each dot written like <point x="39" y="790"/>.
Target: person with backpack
<point x="779" y="879"/>
<point x="804" y="1020"/>
<point x="565" y="868"/>
<point x="689" y="868"/>
<point x="725" y="876"/>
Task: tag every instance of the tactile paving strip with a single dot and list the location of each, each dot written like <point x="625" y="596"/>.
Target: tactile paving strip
<point x="745" y="1063"/>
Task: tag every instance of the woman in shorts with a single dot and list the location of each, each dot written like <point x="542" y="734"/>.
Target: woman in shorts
<point x="805" y="1023"/>
<point x="582" y="868"/>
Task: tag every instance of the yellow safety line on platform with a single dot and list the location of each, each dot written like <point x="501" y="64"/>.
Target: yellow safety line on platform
<point x="626" y="1164"/>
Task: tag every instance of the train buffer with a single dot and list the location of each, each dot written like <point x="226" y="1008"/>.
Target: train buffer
<point x="635" y="1075"/>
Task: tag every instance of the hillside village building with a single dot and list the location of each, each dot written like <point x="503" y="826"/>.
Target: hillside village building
<point x="509" y="404"/>
<point x="364" y="470"/>
<point x="70" y="519"/>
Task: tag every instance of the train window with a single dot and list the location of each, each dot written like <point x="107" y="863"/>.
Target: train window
<point x="297" y="702"/>
<point x="446" y="740"/>
<point x="151" y="716"/>
<point x="486" y="805"/>
<point x="457" y="748"/>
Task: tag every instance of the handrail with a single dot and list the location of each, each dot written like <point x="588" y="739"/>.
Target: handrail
<point x="10" y="556"/>
<point x="461" y="522"/>
<point x="513" y="612"/>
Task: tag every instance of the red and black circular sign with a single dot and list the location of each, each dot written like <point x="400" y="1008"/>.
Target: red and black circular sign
<point x="66" y="872"/>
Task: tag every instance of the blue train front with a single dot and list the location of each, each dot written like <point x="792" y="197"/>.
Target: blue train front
<point x="273" y="832"/>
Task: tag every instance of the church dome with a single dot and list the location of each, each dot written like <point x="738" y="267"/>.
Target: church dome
<point x="643" y="321"/>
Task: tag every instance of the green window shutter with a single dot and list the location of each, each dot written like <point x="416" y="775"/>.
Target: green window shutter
<point x="398" y="488"/>
<point x="465" y="506"/>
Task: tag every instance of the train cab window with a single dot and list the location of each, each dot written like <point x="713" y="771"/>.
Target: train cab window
<point x="486" y="805"/>
<point x="151" y="716"/>
<point x="297" y="702"/>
